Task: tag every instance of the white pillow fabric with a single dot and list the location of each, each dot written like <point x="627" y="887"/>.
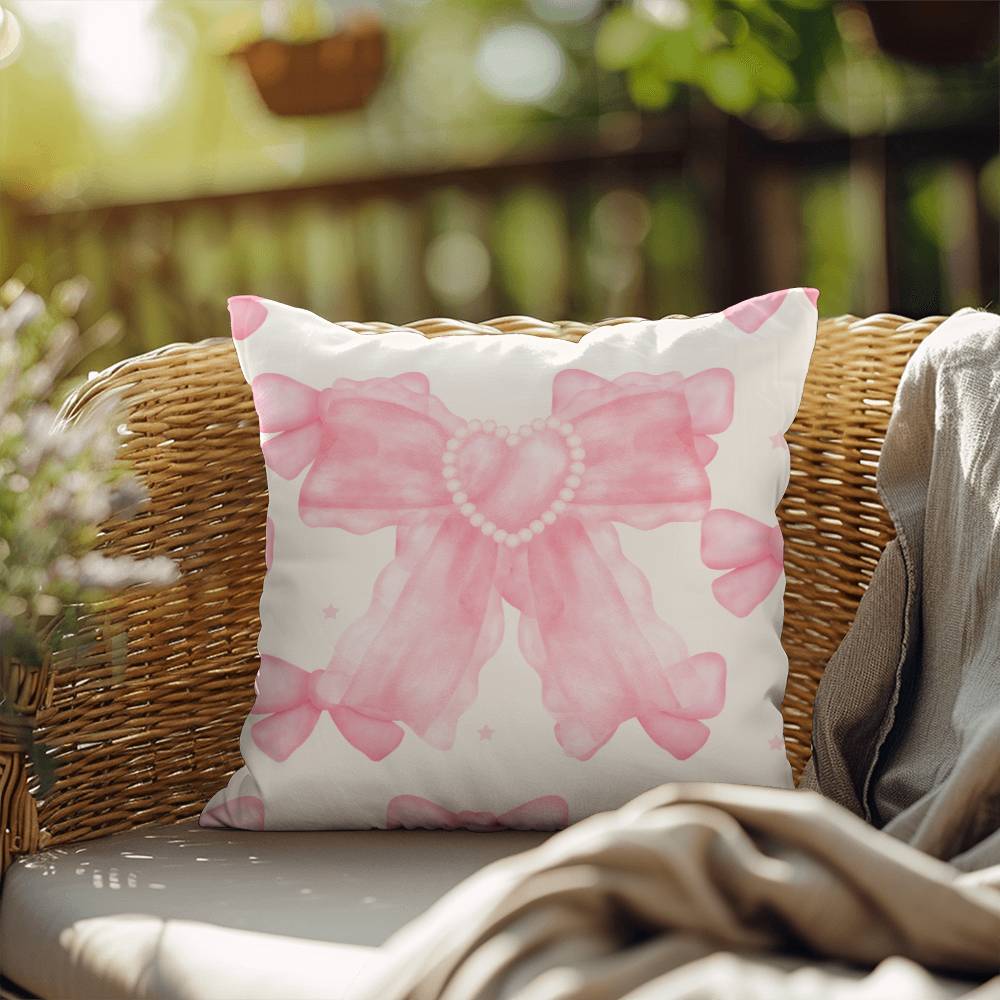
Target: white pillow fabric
<point x="513" y="581"/>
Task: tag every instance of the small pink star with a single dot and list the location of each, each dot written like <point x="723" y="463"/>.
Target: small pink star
<point x="776" y="743"/>
<point x="330" y="611"/>
<point x="778" y="440"/>
<point x="486" y="733"/>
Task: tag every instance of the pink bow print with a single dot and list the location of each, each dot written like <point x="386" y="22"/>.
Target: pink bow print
<point x="751" y="551"/>
<point x="484" y="514"/>
<point x="549" y="812"/>
<point x="293" y="699"/>
<point x="243" y="813"/>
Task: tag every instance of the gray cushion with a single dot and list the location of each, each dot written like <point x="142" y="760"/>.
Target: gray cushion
<point x="182" y="912"/>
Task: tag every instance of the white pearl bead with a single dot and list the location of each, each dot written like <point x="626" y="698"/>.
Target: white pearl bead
<point x="525" y="430"/>
<point x="461" y="432"/>
<point x="453" y="485"/>
<point x="558" y="506"/>
<point x="490" y="426"/>
<point x="452" y="444"/>
<point x="566" y="429"/>
<point x="475" y="426"/>
<point x="476" y="520"/>
<point x="572" y="482"/>
<point x="536" y="527"/>
<point x="538" y="424"/>
<point x="526" y="534"/>
<point x="512" y="541"/>
<point x="449" y="472"/>
<point x="578" y="454"/>
<point x="566" y="494"/>
<point x="553" y="422"/>
<point x="488" y="528"/>
<point x="499" y="535"/>
<point x="501" y="432"/>
<point x="578" y="468"/>
<point x="549" y="517"/>
<point x="468" y="509"/>
<point x="574" y="440"/>
<point x="459" y="498"/>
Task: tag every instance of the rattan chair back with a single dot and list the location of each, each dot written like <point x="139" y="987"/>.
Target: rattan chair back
<point x="145" y="721"/>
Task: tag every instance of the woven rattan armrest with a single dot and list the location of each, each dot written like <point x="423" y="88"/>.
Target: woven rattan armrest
<point x="145" y="722"/>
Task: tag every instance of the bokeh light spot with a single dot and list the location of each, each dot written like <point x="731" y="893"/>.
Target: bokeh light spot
<point x="622" y="218"/>
<point x="457" y="266"/>
<point x="670" y="14"/>
<point x="520" y="63"/>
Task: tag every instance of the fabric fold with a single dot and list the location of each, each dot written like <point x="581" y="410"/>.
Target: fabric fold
<point x="906" y="726"/>
<point x="635" y="898"/>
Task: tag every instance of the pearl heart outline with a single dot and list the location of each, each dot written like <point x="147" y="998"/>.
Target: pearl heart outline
<point x="574" y="476"/>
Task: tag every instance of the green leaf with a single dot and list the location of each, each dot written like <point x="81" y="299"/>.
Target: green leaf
<point x="772" y="76"/>
<point x="676" y="56"/>
<point x="43" y="765"/>
<point x="623" y="40"/>
<point x="733" y="26"/>
<point x="649" y="90"/>
<point x="728" y="81"/>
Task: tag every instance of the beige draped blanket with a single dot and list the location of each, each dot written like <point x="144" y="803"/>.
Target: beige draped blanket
<point x="686" y="891"/>
<point x="883" y="882"/>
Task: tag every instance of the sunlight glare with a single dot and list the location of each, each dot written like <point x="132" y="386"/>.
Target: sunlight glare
<point x="10" y="37"/>
<point x="124" y="64"/>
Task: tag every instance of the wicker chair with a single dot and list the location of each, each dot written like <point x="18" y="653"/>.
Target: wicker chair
<point x="146" y="737"/>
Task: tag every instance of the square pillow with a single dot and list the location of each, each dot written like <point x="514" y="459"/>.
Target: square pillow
<point x="513" y="581"/>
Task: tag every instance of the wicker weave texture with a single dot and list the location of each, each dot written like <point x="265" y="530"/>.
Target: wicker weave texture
<point x="146" y="720"/>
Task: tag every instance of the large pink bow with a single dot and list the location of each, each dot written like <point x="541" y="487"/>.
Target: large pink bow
<point x="484" y="514"/>
<point x="412" y="812"/>
<point x="751" y="551"/>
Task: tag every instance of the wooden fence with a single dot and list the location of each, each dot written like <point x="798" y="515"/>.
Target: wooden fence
<point x="694" y="218"/>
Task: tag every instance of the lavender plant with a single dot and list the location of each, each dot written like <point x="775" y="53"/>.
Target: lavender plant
<point x="59" y="482"/>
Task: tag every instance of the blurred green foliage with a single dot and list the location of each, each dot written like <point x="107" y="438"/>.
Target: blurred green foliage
<point x="738" y="52"/>
<point x="785" y="63"/>
<point x="101" y="106"/>
<point x="111" y="103"/>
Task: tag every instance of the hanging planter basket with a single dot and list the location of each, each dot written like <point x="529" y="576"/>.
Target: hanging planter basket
<point x="339" y="72"/>
<point x="935" y="32"/>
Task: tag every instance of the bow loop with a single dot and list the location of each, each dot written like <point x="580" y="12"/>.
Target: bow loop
<point x="751" y="551"/>
<point x="646" y="442"/>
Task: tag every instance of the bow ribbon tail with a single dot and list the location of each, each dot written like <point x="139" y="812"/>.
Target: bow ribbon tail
<point x="589" y="629"/>
<point x="414" y="657"/>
